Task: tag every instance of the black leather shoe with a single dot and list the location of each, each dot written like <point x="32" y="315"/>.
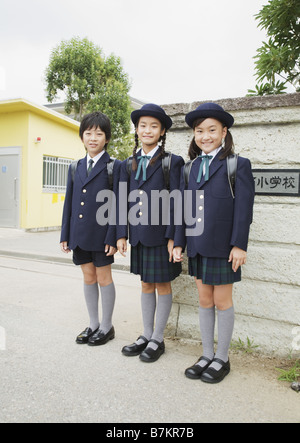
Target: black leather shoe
<point x="83" y="338"/>
<point x="134" y="349"/>
<point x="211" y="375"/>
<point x="99" y="338"/>
<point x="150" y="355"/>
<point x="195" y="371"/>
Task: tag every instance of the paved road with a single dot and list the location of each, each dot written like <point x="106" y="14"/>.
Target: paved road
<point x="46" y="377"/>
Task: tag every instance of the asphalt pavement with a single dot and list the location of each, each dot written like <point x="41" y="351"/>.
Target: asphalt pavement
<point x="47" y="378"/>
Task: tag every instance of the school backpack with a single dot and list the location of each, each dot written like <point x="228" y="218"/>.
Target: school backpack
<point x="110" y="170"/>
<point x="231" y="161"/>
<point x="166" y="165"/>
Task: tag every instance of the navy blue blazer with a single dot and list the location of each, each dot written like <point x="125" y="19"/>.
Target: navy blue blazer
<point x="150" y="227"/>
<point x="79" y="223"/>
<point x="226" y="219"/>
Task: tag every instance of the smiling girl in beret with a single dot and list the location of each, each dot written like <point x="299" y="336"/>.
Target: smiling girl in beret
<point x="216" y="256"/>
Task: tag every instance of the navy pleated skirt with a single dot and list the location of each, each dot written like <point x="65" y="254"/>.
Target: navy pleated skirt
<point x="152" y="264"/>
<point x="213" y="271"/>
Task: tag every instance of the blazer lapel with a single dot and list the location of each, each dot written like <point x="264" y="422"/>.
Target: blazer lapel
<point x="99" y="166"/>
<point x="150" y="169"/>
<point x="215" y="165"/>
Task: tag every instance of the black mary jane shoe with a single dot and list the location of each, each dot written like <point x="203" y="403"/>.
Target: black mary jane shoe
<point x="150" y="355"/>
<point x="211" y="375"/>
<point x="195" y="371"/>
<point x="135" y="349"/>
<point x="83" y="338"/>
<point x="100" y="338"/>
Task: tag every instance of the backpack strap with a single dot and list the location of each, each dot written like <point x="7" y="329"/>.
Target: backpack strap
<point x="73" y="169"/>
<point x="231" y="171"/>
<point x="166" y="166"/>
<point x="110" y="169"/>
<point x="186" y="172"/>
<point x="129" y="165"/>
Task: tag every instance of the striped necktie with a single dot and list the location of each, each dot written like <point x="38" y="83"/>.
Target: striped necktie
<point x="89" y="170"/>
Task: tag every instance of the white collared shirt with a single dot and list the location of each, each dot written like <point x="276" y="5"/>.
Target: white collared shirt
<point x="213" y="154"/>
<point x="150" y="154"/>
<point x="95" y="159"/>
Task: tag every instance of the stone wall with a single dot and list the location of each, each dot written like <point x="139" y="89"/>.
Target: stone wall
<point x="267" y="301"/>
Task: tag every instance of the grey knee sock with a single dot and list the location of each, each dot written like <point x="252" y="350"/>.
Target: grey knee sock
<point x="148" y="302"/>
<point x="164" y="306"/>
<point x="108" y="298"/>
<point x="207" y="328"/>
<point x="225" y="330"/>
<point x="91" y="293"/>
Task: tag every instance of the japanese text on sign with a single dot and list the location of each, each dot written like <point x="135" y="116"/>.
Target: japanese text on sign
<point x="277" y="182"/>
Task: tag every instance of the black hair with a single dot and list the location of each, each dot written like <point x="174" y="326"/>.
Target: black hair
<point x="162" y="153"/>
<point x="96" y="120"/>
<point x="195" y="151"/>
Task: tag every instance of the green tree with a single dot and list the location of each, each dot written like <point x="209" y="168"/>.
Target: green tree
<point x="91" y="82"/>
<point x="277" y="60"/>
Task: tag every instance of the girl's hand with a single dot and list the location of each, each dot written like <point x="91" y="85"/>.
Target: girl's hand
<point x="238" y="258"/>
<point x="64" y="247"/>
<point x="110" y="250"/>
<point x="177" y="254"/>
<point x="170" y="249"/>
<point x="122" y="246"/>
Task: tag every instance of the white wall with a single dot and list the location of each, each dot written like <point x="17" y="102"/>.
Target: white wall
<point x="267" y="301"/>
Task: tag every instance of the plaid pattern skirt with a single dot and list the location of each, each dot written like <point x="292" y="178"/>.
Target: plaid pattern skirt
<point x="152" y="264"/>
<point x="213" y="271"/>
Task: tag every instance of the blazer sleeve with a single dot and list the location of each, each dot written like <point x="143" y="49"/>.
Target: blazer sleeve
<point x="180" y="227"/>
<point x="177" y="163"/>
<point x="67" y="211"/>
<point x="122" y="202"/>
<point x="243" y="204"/>
<point x="111" y="234"/>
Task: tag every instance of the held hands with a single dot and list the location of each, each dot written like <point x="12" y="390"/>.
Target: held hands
<point x="122" y="246"/>
<point x="238" y="258"/>
<point x="177" y="255"/>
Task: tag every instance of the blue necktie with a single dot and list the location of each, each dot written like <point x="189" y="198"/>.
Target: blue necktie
<point x="204" y="161"/>
<point x="142" y="164"/>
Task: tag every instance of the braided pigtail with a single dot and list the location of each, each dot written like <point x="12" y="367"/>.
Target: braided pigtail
<point x="162" y="153"/>
<point x="136" y="147"/>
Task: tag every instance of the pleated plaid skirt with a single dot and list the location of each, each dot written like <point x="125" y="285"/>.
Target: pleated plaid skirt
<point x="152" y="264"/>
<point x="213" y="271"/>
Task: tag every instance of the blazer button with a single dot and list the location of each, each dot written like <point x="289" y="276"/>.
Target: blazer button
<point x="199" y="220"/>
<point x="201" y="197"/>
<point x="141" y="192"/>
<point x="84" y="191"/>
<point x="200" y="208"/>
<point x="82" y="203"/>
<point x="140" y="213"/>
<point x="80" y="216"/>
<point x="141" y="203"/>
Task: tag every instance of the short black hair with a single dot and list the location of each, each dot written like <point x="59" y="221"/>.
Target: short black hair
<point x="96" y="120"/>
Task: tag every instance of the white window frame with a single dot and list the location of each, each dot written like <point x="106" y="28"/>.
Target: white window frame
<point x="55" y="173"/>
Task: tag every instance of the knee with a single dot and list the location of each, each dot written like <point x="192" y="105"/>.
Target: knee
<point x="164" y="288"/>
<point x="148" y="288"/>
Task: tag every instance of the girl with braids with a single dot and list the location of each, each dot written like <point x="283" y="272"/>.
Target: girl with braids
<point x="151" y="245"/>
<point x="216" y="256"/>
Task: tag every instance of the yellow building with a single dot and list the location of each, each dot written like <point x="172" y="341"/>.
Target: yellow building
<point x="36" y="148"/>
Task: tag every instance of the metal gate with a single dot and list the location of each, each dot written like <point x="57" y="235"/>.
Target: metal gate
<point x="10" y="161"/>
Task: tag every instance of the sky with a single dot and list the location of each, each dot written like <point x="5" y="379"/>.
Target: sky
<point x="174" y="51"/>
